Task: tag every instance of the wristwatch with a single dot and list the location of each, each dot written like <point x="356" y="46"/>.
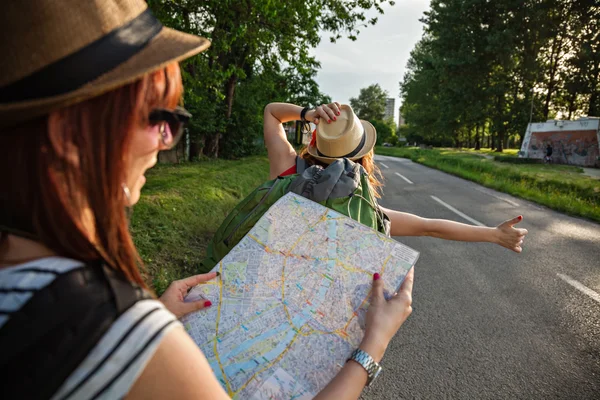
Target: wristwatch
<point x="366" y="361"/>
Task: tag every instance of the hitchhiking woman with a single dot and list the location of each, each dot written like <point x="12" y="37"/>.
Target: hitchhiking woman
<point x="89" y="94"/>
<point x="340" y="134"/>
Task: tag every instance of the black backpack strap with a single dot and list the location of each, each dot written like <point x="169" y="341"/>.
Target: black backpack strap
<point x="47" y="338"/>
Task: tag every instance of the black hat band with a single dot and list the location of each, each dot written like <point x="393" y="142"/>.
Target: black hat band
<point x="85" y="65"/>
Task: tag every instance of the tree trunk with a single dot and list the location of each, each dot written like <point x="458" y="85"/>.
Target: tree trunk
<point x="469" y="135"/>
<point x="572" y="99"/>
<point x="196" y="146"/>
<point x="211" y="145"/>
<point x="500" y="140"/>
<point x="546" y="110"/>
<point x="592" y="107"/>
<point x="554" y="61"/>
<point x="229" y="93"/>
<point x="477" y="138"/>
<point x="456" y="139"/>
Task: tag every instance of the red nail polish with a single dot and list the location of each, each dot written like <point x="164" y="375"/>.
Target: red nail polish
<point x="339" y="113"/>
<point x="376" y="276"/>
<point x="328" y="121"/>
<point x="207" y="303"/>
<point x="520" y="217"/>
<point x="334" y="119"/>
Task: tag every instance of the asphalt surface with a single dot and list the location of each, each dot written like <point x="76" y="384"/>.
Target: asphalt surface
<point x="489" y="323"/>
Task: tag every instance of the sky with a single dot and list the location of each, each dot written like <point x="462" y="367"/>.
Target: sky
<point x="379" y="55"/>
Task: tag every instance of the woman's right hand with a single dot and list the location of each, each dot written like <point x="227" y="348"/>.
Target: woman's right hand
<point x="384" y="317"/>
<point x="325" y="112"/>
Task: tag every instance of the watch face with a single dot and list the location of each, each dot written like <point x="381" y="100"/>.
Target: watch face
<point x="376" y="374"/>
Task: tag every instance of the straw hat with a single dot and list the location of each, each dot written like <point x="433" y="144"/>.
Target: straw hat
<point x="56" y="53"/>
<point x="347" y="137"/>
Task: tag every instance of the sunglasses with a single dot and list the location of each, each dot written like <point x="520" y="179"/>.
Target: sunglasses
<point x="176" y="119"/>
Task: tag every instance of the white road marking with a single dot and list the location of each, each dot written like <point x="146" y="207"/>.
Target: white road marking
<point x="582" y="288"/>
<point x="384" y="165"/>
<point x="465" y="216"/>
<point x="498" y="197"/>
<point x="405" y="178"/>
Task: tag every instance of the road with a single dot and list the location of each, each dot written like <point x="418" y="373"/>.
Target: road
<point x="489" y="323"/>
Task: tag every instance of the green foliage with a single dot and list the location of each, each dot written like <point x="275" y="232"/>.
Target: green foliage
<point x="245" y="125"/>
<point x="182" y="206"/>
<point x="560" y="187"/>
<point x="481" y="66"/>
<point x="370" y="103"/>
<point x="386" y="131"/>
<point x="253" y="41"/>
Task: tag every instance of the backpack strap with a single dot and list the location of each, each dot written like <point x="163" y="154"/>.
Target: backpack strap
<point x="301" y="165"/>
<point x="48" y="337"/>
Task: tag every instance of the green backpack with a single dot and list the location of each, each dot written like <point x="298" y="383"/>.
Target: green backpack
<point x="343" y="186"/>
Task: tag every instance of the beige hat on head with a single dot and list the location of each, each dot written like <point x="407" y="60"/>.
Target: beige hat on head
<point x="347" y="137"/>
<point x="57" y="53"/>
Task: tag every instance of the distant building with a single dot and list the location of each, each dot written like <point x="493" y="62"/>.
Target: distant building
<point x="572" y="142"/>
<point x="390" y="106"/>
<point x="400" y="118"/>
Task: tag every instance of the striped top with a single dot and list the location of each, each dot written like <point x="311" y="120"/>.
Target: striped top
<point x="118" y="358"/>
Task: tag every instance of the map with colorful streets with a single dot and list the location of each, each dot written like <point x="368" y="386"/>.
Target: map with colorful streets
<point x="289" y="307"/>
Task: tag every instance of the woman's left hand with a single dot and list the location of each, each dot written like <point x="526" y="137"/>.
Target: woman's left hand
<point x="510" y="237"/>
<point x="173" y="297"/>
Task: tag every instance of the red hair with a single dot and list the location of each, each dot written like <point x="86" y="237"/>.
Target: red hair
<point x="58" y="168"/>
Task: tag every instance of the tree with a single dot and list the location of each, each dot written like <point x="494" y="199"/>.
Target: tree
<point x="481" y="66"/>
<point x="386" y="131"/>
<point x="252" y="37"/>
<point x="370" y="104"/>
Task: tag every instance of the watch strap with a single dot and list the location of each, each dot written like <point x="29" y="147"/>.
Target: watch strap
<point x="368" y="363"/>
<point x="303" y="114"/>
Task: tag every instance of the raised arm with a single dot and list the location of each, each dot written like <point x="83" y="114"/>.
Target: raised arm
<point x="505" y="234"/>
<point x="281" y="153"/>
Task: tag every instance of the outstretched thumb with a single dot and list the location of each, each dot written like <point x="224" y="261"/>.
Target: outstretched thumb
<point x="377" y="296"/>
<point x="514" y="221"/>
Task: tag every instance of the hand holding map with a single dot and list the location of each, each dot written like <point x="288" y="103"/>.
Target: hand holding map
<point x="290" y="307"/>
<point x="385" y="317"/>
<point x="173" y="297"/>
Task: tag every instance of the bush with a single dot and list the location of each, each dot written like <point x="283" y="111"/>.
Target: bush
<point x="517" y="160"/>
<point x="386" y="131"/>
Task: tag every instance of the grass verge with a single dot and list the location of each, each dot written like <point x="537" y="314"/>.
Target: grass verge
<point x="182" y="206"/>
<point x="490" y="152"/>
<point x="560" y="187"/>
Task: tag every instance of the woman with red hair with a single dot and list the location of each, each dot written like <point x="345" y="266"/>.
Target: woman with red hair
<point x="89" y="95"/>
